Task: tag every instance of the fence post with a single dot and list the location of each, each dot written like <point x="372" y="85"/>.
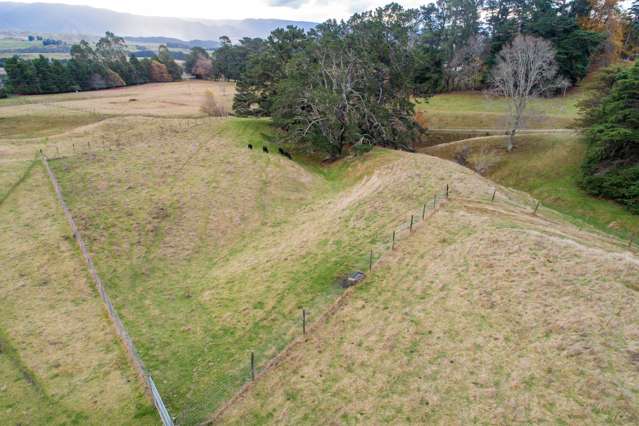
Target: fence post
<point x="74" y="148"/>
<point x="57" y="149"/>
<point x="88" y="145"/>
<point x="424" y="212"/>
<point x="435" y="201"/>
<point x="304" y="321"/>
<point x="493" y="197"/>
<point x="447" y="191"/>
<point x="537" y="207"/>
<point x="370" y="261"/>
<point x="252" y="365"/>
<point x="393" y="244"/>
<point x="411" y="223"/>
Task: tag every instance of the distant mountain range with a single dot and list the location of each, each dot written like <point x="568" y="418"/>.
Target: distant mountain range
<point x="85" y="20"/>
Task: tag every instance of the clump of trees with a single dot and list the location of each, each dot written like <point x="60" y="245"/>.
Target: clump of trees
<point x="106" y="65"/>
<point x="351" y="83"/>
<point x="342" y="84"/>
<point x="610" y="117"/>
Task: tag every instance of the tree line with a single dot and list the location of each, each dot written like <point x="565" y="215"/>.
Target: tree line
<point x="106" y="65"/>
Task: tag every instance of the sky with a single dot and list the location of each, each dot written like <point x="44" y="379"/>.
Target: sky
<point x="300" y="10"/>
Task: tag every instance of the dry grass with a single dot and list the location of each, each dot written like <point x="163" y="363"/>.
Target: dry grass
<point x="18" y="128"/>
<point x="156" y="99"/>
<point x="484" y="315"/>
<point x="65" y="364"/>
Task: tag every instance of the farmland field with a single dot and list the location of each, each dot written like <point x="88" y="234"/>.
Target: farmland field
<point x="209" y="251"/>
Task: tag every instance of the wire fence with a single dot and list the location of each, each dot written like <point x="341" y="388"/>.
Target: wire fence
<point x="262" y="360"/>
<point x="306" y="323"/>
<point x="132" y="353"/>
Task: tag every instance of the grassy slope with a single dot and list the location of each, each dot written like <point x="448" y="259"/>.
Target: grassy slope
<point x="484" y="315"/>
<point x="474" y="110"/>
<point x="60" y="360"/>
<point x="547" y="167"/>
<point x="209" y="261"/>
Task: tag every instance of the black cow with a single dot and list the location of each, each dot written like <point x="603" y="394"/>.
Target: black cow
<point x="250" y="146"/>
<point x="265" y="149"/>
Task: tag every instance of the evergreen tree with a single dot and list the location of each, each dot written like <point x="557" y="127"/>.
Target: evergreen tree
<point x="22" y="77"/>
<point x="611" y="117"/>
<point x="165" y="58"/>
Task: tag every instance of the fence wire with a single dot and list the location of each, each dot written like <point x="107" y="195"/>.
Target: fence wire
<point x="126" y="340"/>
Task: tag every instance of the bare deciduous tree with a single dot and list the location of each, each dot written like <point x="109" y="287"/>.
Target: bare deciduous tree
<point x="525" y="69"/>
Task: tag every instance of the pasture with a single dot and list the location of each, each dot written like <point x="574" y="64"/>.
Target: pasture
<point x="476" y="110"/>
<point x="210" y="250"/>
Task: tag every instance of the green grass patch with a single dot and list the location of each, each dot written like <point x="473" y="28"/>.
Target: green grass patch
<point x="475" y="110"/>
<point x="549" y="168"/>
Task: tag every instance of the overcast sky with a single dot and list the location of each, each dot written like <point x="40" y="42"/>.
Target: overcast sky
<point x="307" y="10"/>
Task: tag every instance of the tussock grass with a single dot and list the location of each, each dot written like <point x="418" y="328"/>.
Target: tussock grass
<point x="60" y="361"/>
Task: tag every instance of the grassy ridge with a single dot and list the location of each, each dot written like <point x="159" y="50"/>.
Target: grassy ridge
<point x="485" y="314"/>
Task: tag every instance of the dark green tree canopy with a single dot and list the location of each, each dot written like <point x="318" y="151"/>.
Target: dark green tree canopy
<point x="611" y="119"/>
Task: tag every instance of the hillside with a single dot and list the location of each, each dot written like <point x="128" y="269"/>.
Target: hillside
<point x="210" y="250"/>
<point x="486" y="314"/>
<point x="60" y="362"/>
<point x="68" y="19"/>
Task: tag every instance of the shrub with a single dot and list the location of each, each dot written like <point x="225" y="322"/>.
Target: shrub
<point x="211" y="107"/>
<point x="3" y="93"/>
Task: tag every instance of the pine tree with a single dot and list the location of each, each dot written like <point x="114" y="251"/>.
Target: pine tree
<point x="611" y="168"/>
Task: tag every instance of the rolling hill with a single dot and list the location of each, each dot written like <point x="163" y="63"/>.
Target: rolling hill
<point x="483" y="312"/>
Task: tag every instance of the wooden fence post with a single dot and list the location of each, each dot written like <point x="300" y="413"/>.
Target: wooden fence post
<point x="424" y="212"/>
<point x="304" y="321"/>
<point x="370" y="261"/>
<point x="411" y="223"/>
<point x="447" y="191"/>
<point x="493" y="197"/>
<point x="252" y="365"/>
<point x="537" y="207"/>
<point x="435" y="201"/>
<point x="393" y="244"/>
